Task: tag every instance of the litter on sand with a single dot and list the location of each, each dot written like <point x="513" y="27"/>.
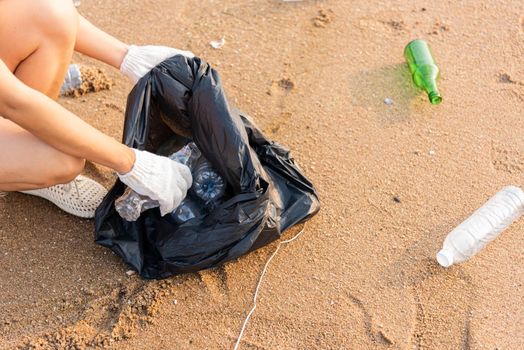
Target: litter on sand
<point x="388" y="101"/>
<point x="217" y="44"/>
<point x="265" y="191"/>
<point x="423" y="69"/>
<point x="483" y="226"/>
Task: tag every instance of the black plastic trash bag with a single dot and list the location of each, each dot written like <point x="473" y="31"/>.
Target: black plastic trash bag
<point x="266" y="191"/>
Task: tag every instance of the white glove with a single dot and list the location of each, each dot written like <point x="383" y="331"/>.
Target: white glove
<point x="159" y="178"/>
<point x="139" y="60"/>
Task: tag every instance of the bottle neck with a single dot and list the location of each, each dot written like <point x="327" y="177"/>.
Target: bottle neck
<point x="433" y="92"/>
<point x="445" y="257"/>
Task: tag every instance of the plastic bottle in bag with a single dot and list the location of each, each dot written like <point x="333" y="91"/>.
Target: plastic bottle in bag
<point x="483" y="226"/>
<point x="208" y="185"/>
<point x="73" y="79"/>
<point x="131" y="204"/>
<point x="187" y="210"/>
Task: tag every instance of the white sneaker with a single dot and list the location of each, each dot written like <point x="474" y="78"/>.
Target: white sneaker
<point x="80" y="197"/>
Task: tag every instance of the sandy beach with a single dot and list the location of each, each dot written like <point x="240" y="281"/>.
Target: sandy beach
<point x="394" y="180"/>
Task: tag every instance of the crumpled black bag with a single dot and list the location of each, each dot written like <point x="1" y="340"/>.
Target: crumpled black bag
<point x="267" y="191"/>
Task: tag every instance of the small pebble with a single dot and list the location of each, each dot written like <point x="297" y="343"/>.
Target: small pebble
<point x="431" y="152"/>
<point x="388" y="101"/>
<point x="175" y="302"/>
<point x="396" y="199"/>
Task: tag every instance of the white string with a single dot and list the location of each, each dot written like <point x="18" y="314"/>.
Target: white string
<point x="260" y="282"/>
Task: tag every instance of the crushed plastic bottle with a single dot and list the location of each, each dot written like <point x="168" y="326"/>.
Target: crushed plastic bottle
<point x="188" y="155"/>
<point x="131" y="204"/>
<point x="73" y="79"/>
<point x="188" y="209"/>
<point x="208" y="185"/>
<point x="483" y="226"/>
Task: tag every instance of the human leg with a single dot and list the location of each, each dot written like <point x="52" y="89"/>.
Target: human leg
<point x="37" y="38"/>
<point x="36" y="43"/>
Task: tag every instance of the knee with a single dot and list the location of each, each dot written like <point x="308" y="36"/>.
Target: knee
<point x="58" y="20"/>
<point x="69" y="168"/>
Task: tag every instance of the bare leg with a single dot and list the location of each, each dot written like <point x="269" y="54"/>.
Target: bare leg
<point x="28" y="163"/>
<point x="37" y="38"/>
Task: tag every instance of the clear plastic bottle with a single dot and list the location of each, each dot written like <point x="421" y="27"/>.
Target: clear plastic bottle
<point x="73" y="79"/>
<point x="131" y="204"/>
<point x="188" y="209"/>
<point x="482" y="226"/>
<point x="208" y="185"/>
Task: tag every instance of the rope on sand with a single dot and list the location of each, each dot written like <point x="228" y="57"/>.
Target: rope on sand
<point x="255" y="296"/>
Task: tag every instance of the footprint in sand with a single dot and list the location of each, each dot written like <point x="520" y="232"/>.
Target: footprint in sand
<point x="505" y="78"/>
<point x="441" y="322"/>
<point x="512" y="86"/>
<point x="441" y="299"/>
<point x="439" y="28"/>
<point x="395" y="25"/>
<point x="323" y="18"/>
<point x="376" y="336"/>
<point x="216" y="282"/>
<point x="280" y="89"/>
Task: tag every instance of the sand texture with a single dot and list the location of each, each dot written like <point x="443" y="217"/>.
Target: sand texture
<point x="93" y="80"/>
<point x="394" y="178"/>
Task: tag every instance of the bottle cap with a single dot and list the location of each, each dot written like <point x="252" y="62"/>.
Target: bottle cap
<point x="445" y="257"/>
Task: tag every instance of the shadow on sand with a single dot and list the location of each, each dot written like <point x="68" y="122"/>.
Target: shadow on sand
<point x="391" y="82"/>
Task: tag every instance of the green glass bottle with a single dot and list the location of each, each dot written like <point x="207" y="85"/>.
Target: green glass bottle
<point x="423" y="68"/>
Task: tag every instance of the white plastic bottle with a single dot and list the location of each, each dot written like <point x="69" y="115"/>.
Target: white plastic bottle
<point x="483" y="226"/>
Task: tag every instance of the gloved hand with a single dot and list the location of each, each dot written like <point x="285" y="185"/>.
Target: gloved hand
<point x="139" y="60"/>
<point x="159" y="178"/>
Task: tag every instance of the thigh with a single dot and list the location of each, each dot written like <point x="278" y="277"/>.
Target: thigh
<point x="37" y="39"/>
<point x="19" y="38"/>
<point x="26" y="162"/>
